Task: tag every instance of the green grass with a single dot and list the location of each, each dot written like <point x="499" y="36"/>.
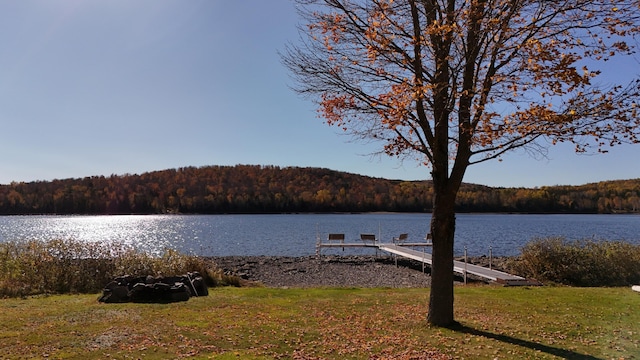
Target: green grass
<point x="263" y="323"/>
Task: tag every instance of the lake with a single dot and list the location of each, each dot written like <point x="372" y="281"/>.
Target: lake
<point x="296" y="234"/>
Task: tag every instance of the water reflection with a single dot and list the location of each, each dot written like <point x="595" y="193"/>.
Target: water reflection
<point x="149" y="233"/>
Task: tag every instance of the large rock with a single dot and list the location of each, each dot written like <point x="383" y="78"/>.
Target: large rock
<point x="151" y="289"/>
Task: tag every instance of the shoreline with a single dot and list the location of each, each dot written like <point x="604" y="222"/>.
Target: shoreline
<point x="365" y="271"/>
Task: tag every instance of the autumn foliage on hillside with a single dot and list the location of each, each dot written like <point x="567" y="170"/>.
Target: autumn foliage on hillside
<point x="271" y="189"/>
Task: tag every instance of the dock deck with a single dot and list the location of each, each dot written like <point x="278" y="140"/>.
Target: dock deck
<point x="405" y="250"/>
<point x="459" y="267"/>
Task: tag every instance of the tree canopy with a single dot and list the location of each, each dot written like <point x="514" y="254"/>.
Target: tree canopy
<point x="500" y="74"/>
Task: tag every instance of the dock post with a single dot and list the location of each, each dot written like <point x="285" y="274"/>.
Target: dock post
<point x="377" y="240"/>
<point x="465" y="265"/>
<point x="317" y="242"/>
<point x="490" y="258"/>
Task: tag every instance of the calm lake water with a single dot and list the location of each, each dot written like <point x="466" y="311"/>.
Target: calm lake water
<point x="295" y="235"/>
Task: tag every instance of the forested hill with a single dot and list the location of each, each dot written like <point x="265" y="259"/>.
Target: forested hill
<point x="271" y="189"/>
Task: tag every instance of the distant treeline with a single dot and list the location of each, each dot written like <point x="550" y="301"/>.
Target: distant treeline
<point x="271" y="189"/>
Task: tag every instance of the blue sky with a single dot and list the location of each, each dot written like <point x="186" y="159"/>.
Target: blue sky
<point x="107" y="87"/>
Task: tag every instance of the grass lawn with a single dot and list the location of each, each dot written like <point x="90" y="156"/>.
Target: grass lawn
<point x="263" y="323"/>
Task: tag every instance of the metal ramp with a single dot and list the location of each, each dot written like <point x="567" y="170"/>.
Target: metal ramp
<point x="459" y="266"/>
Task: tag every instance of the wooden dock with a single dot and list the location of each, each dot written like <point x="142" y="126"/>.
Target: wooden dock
<point x="407" y="250"/>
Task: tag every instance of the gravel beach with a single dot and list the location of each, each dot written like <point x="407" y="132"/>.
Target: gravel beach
<point x="338" y="271"/>
<point x="328" y="271"/>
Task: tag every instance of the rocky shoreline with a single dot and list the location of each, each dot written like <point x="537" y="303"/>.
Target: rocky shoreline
<point x="329" y="271"/>
<point x="326" y="271"/>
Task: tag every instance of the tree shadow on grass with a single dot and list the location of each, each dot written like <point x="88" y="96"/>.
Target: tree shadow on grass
<point x="562" y="353"/>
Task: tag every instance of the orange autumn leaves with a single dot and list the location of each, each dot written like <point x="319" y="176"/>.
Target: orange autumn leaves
<point x="502" y="73"/>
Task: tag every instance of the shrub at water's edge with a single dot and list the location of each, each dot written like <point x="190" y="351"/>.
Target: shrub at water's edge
<point x="580" y="262"/>
<point x="68" y="266"/>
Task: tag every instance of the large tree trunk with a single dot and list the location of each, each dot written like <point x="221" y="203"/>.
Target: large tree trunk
<point x="443" y="223"/>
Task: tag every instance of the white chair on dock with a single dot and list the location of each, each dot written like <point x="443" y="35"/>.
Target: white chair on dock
<point x="400" y="239"/>
<point x="368" y="237"/>
<point x="332" y="238"/>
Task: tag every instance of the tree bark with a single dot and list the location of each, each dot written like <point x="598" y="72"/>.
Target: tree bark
<point x="443" y="222"/>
